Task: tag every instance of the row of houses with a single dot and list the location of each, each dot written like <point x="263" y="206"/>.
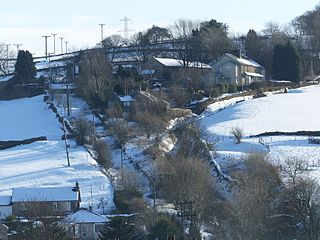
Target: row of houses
<point x="59" y="204"/>
<point x="228" y="68"/>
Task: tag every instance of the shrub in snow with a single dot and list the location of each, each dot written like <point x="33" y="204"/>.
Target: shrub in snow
<point x="237" y="133"/>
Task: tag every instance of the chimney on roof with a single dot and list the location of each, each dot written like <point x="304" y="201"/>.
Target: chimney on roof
<point x="76" y="188"/>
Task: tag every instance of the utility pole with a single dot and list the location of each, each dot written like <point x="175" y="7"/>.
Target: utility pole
<point x="66" y="46"/>
<point x="7" y="46"/>
<point x="46" y="45"/>
<point x="101" y="25"/>
<point x="54" y="42"/>
<point x="61" y="44"/>
<point x="65" y="141"/>
<point x="18" y="45"/>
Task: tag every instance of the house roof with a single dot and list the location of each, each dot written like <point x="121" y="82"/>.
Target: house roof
<point x="243" y="61"/>
<point x="45" y="194"/>
<point x="5" y="200"/>
<point x="253" y="74"/>
<point x="171" y="62"/>
<point x="85" y="216"/>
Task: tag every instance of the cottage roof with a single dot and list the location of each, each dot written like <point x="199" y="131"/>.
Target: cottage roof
<point x="5" y="200"/>
<point x="244" y="61"/>
<point x="171" y="62"/>
<point x="45" y="194"/>
<point x="253" y="74"/>
<point x="85" y="216"/>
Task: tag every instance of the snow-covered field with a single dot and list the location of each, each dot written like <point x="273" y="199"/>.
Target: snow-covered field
<point x="44" y="164"/>
<point x="296" y="110"/>
<point x="27" y="118"/>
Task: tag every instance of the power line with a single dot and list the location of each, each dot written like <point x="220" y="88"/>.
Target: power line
<point x="61" y="38"/>
<point x="18" y="45"/>
<point x="66" y="42"/>
<point x="54" y="42"/>
<point x="126" y="29"/>
<point x="46" y="44"/>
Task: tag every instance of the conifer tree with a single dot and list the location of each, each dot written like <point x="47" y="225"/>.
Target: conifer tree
<point x="25" y="70"/>
<point x="286" y="63"/>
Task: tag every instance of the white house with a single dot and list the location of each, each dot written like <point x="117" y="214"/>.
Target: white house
<point x="84" y="224"/>
<point x="241" y="71"/>
<point x="5" y="207"/>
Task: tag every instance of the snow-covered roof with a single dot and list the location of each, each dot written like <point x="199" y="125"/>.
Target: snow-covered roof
<point x="85" y="216"/>
<point x="44" y="194"/>
<point x="126" y="99"/>
<point x="171" y="62"/>
<point x="5" y="200"/>
<point x="253" y="74"/>
<point x="244" y="61"/>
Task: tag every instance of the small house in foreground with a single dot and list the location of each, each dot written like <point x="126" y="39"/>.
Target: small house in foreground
<point x="84" y="224"/>
<point x="51" y="201"/>
<point x="5" y="207"/>
<point x="237" y="70"/>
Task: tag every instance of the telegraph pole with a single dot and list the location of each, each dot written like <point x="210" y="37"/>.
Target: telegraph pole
<point x="54" y="42"/>
<point x="7" y="46"/>
<point x="101" y="25"/>
<point x="18" y="45"/>
<point x="66" y="46"/>
<point x="46" y="44"/>
<point x="61" y="44"/>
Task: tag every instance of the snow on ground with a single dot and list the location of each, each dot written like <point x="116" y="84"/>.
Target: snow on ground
<point x="44" y="164"/>
<point x="27" y="118"/>
<point x="5" y="78"/>
<point x="296" y="110"/>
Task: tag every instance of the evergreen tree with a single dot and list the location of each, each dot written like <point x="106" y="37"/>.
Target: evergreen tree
<point x="25" y="70"/>
<point x="286" y="63"/>
<point x="165" y="227"/>
<point x="121" y="228"/>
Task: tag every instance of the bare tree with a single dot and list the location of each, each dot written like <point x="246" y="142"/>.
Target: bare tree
<point x="255" y="197"/>
<point x="237" y="133"/>
<point x="94" y="82"/>
<point x="103" y="154"/>
<point x="188" y="179"/>
<point x="120" y="130"/>
<point x="4" y="64"/>
<point x="303" y="202"/>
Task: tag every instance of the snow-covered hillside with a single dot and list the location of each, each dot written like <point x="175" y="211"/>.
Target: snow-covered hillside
<point x="296" y="110"/>
<point x="27" y="118"/>
<point x="44" y="164"/>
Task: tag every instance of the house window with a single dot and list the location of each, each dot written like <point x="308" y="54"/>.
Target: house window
<point x="61" y="206"/>
<point x="84" y="231"/>
<point x="98" y="227"/>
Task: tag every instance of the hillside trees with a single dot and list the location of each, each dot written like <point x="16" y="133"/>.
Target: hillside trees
<point x="3" y="55"/>
<point x="255" y="200"/>
<point x="286" y="63"/>
<point x="210" y="41"/>
<point x="25" y="70"/>
<point x="95" y="83"/>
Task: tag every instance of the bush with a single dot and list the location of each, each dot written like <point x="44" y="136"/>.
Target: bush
<point x="103" y="153"/>
<point x="232" y="88"/>
<point x="83" y="131"/>
<point x="165" y="227"/>
<point x="237" y="133"/>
